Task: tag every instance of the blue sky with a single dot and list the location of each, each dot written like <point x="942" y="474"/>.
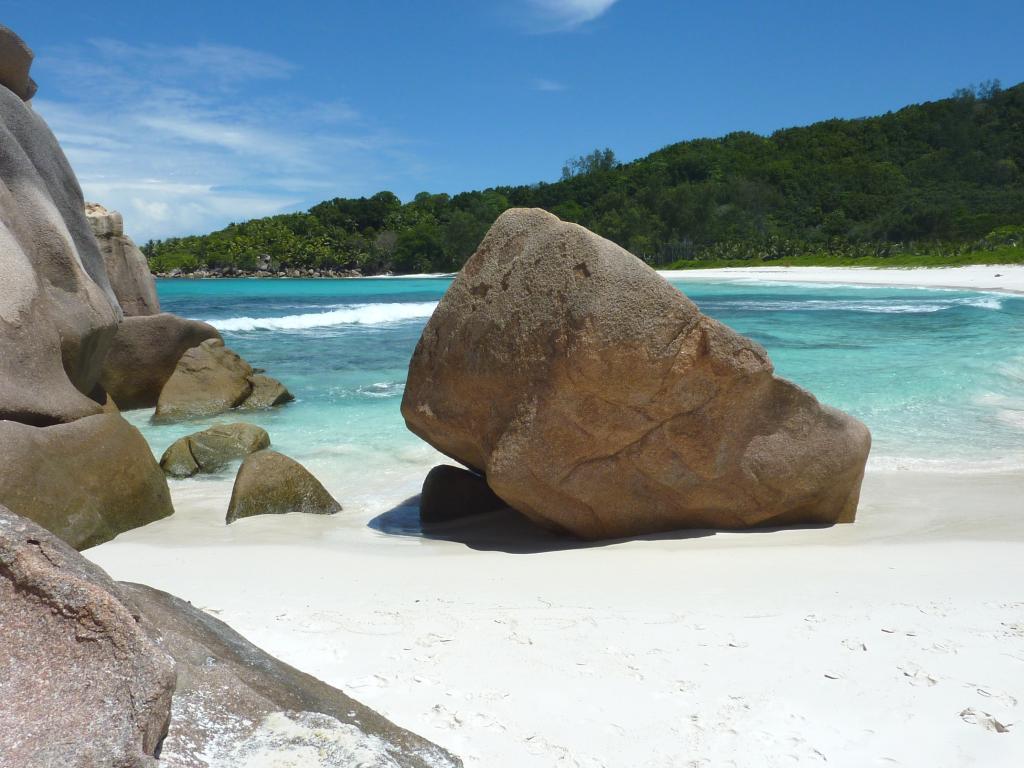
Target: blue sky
<point x="188" y="115"/>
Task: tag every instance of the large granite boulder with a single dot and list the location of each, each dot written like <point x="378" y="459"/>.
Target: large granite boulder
<point x="85" y="481"/>
<point x="451" y="493"/>
<point x="213" y="449"/>
<point x="58" y="314"/>
<point x="15" y="62"/>
<point x="210" y="379"/>
<point x="270" y="483"/>
<point x="82" y="684"/>
<point x="144" y="354"/>
<point x="598" y="400"/>
<point x="127" y="268"/>
<point x="64" y="461"/>
<point x="235" y="704"/>
<point x="98" y="673"/>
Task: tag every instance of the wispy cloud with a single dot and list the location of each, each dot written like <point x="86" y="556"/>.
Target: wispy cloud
<point x="549" y="86"/>
<point x="563" y="15"/>
<point x="186" y="139"/>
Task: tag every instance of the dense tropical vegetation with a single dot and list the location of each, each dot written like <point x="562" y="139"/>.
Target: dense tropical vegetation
<point x="934" y="183"/>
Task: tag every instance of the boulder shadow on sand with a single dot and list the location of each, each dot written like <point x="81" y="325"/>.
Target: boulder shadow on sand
<point x="505" y="530"/>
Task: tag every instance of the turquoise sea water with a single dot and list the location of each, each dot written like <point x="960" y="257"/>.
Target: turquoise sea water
<point x="937" y="375"/>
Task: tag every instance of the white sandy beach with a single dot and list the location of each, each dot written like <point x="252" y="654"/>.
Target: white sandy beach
<point x="898" y="640"/>
<point x="895" y="641"/>
<point x="978" y="277"/>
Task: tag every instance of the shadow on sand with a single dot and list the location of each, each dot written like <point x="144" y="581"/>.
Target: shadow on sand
<point x="506" y="530"/>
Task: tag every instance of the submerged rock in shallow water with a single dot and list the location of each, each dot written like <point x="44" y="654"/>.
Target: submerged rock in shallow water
<point x="270" y="483"/>
<point x="266" y="393"/>
<point x="210" y="379"/>
<point x="213" y="449"/>
<point x="597" y="399"/>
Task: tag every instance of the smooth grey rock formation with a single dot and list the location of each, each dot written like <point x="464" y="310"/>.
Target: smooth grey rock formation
<point x="270" y="483"/>
<point x="213" y="449"/>
<point x="85" y="481"/>
<point x="82" y="684"/>
<point x="234" y="702"/>
<point x="144" y="354"/>
<point x="450" y="493"/>
<point x="58" y="314"/>
<point x="15" y="62"/>
<point x="598" y="400"/>
<point x="127" y="269"/>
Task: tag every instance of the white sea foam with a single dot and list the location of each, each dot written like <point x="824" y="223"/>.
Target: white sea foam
<point x="354" y="314"/>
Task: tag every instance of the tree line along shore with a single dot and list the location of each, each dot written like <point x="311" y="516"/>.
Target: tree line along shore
<point x="939" y="183"/>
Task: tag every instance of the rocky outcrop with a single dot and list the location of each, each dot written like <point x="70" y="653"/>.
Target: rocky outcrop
<point x="213" y="449"/>
<point x="210" y="379"/>
<point x="15" y="62"/>
<point x="58" y="314"/>
<point x="270" y="483"/>
<point x="234" y="702"/>
<point x="144" y="354"/>
<point x="451" y="493"/>
<point x="86" y="481"/>
<point x="597" y="399"/>
<point x="127" y="269"/>
<point x="83" y="684"/>
<point x="98" y="673"/>
<point x="67" y="460"/>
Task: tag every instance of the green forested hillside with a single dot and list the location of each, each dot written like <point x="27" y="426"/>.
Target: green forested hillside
<point x="941" y="182"/>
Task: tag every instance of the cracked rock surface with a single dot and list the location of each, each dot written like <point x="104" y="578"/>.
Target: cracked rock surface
<point x="597" y="399"/>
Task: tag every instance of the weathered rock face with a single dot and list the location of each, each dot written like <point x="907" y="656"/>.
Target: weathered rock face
<point x="234" y="702"/>
<point x="96" y="673"/>
<point x="266" y="393"/>
<point x="15" y="62"/>
<point x="270" y="483"/>
<point x="82" y="684"/>
<point x="127" y="269"/>
<point x="144" y="353"/>
<point x="213" y="449"/>
<point x="450" y="493"/>
<point x="210" y="379"/>
<point x="597" y="399"/>
<point x="57" y="312"/>
<point x="86" y="481"/>
<point x="63" y="463"/>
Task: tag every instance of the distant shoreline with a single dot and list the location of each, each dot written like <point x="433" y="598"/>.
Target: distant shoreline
<point x="1003" y="278"/>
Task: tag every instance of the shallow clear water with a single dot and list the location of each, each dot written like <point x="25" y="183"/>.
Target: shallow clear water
<point x="937" y="375"/>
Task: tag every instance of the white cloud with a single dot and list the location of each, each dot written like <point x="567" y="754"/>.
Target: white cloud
<point x="185" y="139"/>
<point x="550" y="86"/>
<point x="561" y="15"/>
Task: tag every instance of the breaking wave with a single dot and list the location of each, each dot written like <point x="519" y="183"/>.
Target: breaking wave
<point x="354" y="314"/>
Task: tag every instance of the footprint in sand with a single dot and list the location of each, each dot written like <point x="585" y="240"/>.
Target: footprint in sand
<point x="984" y="720"/>
<point x="996" y="694"/>
<point x="917" y="676"/>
